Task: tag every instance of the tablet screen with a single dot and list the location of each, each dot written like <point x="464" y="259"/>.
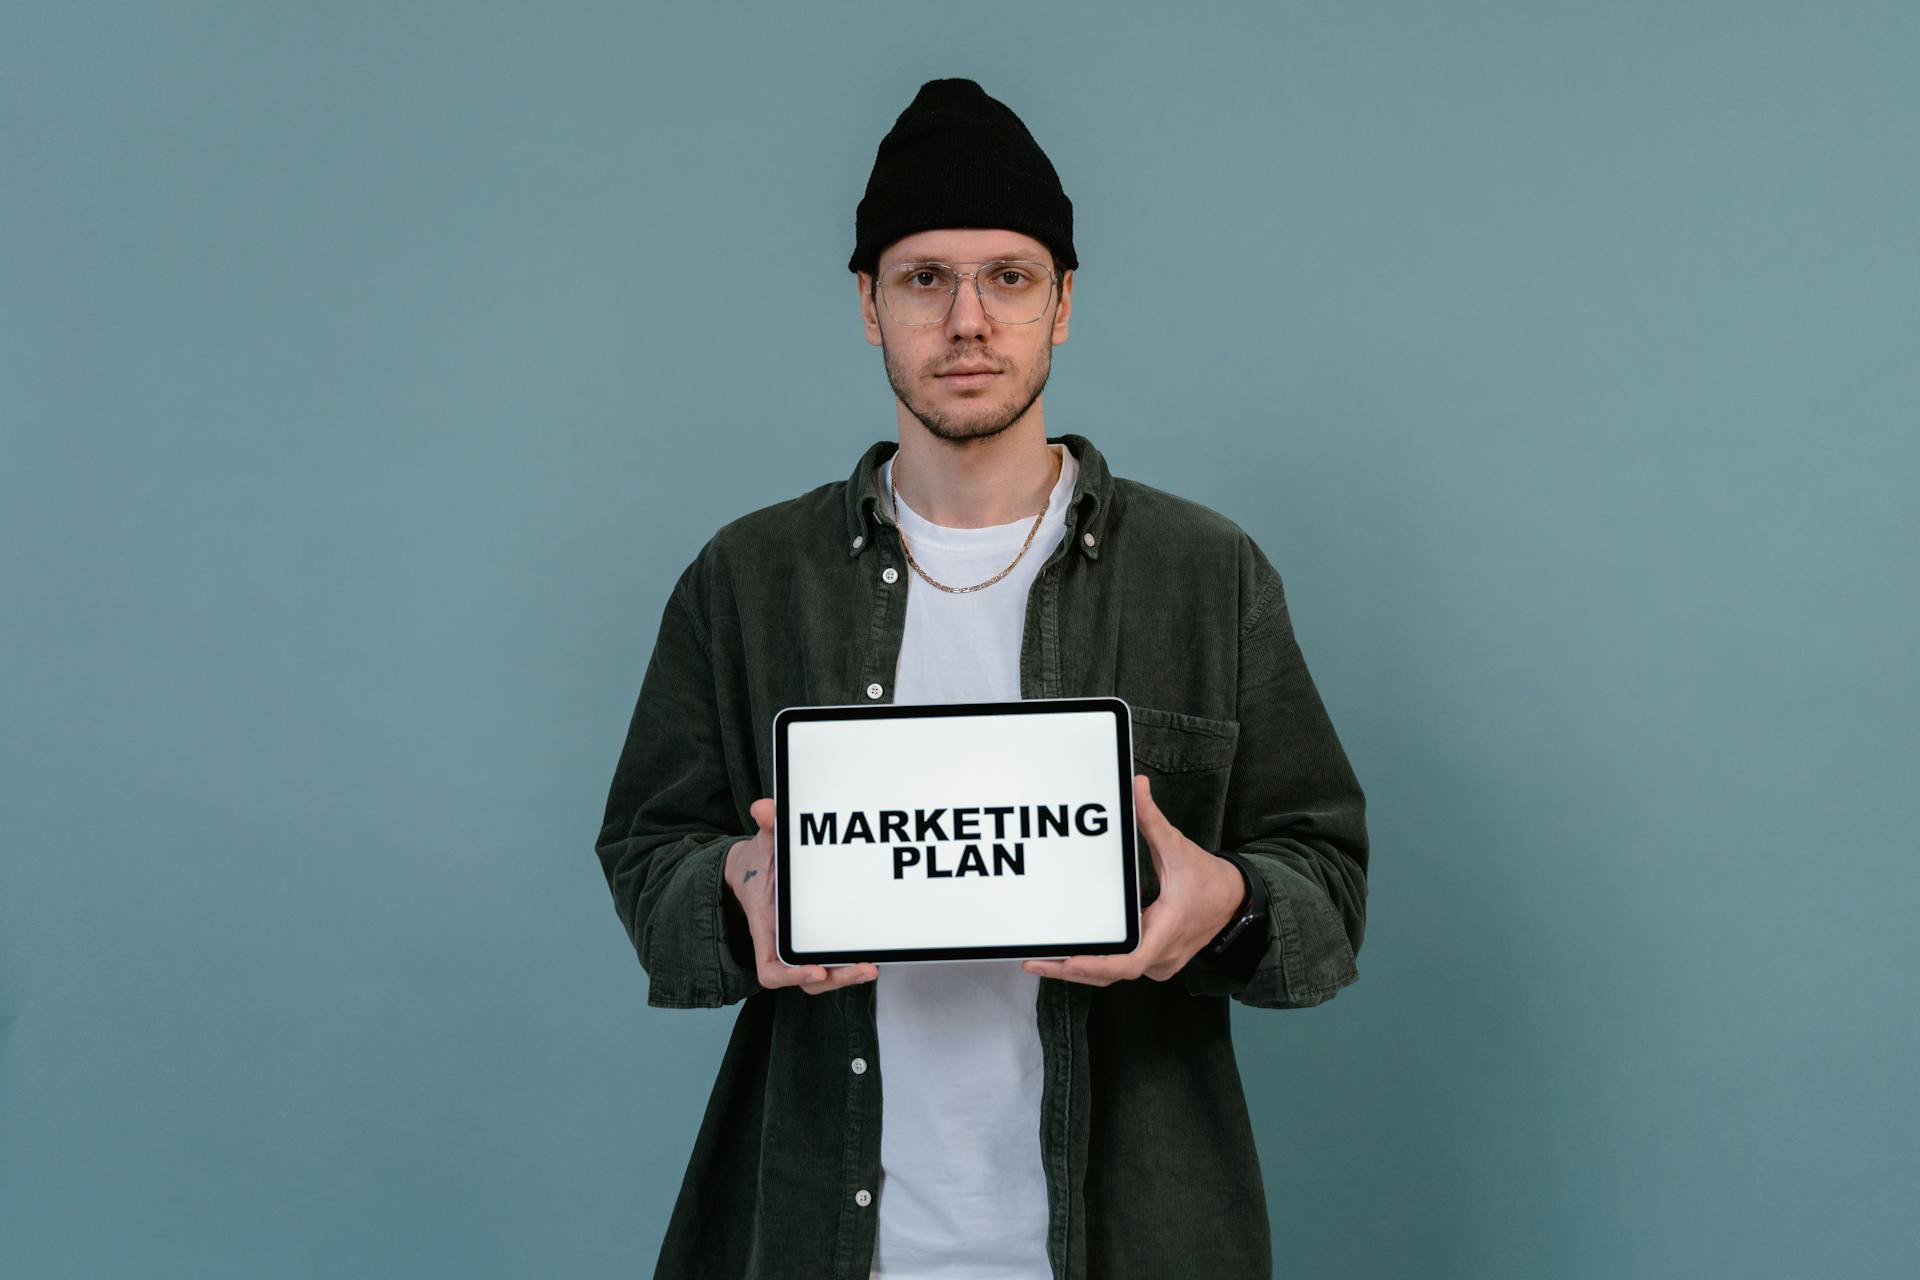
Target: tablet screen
<point x="955" y="831"/>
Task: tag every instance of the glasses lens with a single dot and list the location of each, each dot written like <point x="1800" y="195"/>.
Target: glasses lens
<point x="918" y="292"/>
<point x="1013" y="292"/>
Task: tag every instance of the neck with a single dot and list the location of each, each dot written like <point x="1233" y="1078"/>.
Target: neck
<point x="971" y="484"/>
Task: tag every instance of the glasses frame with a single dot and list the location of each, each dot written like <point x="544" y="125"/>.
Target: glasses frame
<point x="1053" y="286"/>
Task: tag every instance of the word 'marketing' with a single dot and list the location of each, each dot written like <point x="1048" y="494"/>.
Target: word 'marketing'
<point x="905" y="828"/>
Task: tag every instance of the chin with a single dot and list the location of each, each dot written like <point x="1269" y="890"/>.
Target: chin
<point x="968" y="427"/>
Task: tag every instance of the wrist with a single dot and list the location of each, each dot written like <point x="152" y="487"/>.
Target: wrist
<point x="1245" y="924"/>
<point x="1235" y="893"/>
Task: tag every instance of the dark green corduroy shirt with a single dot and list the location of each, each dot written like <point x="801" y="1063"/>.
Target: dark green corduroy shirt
<point x="1150" y="1163"/>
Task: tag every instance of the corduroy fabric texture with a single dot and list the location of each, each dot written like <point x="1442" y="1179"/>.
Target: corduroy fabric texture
<point x="1151" y="1168"/>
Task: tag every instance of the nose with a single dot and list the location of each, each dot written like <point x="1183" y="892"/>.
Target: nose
<point x="967" y="317"/>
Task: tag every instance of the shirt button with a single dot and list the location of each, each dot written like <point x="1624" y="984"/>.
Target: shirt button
<point x="858" y="539"/>
<point x="1087" y="538"/>
<point x="890" y="574"/>
<point x="863" y="1197"/>
<point x="873" y="690"/>
<point x="859" y="1066"/>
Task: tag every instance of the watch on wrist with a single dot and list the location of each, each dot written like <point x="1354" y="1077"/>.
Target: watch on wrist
<point x="1252" y="907"/>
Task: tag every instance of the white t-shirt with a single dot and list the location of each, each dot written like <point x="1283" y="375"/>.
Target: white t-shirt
<point x="963" y="1193"/>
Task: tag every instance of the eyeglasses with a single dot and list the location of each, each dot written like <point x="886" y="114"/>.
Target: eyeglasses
<point x="1011" y="290"/>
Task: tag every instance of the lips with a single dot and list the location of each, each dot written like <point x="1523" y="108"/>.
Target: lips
<point x="961" y="380"/>
<point x="962" y="377"/>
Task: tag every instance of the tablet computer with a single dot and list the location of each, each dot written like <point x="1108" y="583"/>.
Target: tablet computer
<point x="954" y="831"/>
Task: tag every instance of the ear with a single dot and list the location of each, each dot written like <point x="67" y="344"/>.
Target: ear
<point x="869" y="312"/>
<point x="1063" y="308"/>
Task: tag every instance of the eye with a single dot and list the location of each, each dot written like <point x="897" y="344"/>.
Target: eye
<point x="920" y="277"/>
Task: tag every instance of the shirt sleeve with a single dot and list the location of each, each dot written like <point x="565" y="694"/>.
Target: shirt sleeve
<point x="1296" y="810"/>
<point x="670" y="820"/>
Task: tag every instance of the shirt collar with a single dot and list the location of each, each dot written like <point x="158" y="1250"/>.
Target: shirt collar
<point x="867" y="502"/>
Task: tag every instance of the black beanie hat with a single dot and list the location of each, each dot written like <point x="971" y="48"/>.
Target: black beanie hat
<point x="958" y="158"/>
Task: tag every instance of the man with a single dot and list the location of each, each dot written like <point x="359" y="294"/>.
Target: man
<point x="1078" y="1117"/>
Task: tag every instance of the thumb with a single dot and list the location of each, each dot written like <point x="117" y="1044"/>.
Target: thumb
<point x="1145" y="811"/>
<point x="763" y="813"/>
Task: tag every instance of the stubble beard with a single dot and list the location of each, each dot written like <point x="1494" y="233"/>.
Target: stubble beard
<point x="966" y="424"/>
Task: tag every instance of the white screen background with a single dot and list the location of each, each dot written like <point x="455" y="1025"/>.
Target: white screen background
<point x="845" y="898"/>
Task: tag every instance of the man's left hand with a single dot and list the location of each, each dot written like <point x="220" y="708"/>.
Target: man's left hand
<point x="1199" y="894"/>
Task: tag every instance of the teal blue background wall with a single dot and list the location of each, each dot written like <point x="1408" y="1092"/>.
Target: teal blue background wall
<point x="368" y="371"/>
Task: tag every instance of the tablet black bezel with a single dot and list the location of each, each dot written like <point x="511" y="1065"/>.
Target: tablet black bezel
<point x="1123" y="740"/>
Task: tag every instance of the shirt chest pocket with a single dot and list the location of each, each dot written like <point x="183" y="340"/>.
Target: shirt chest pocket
<point x="1188" y="760"/>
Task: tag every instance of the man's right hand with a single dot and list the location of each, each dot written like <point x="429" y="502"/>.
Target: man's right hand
<point x="749" y="873"/>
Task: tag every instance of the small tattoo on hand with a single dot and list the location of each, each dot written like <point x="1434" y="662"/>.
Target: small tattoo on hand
<point x="751" y="873"/>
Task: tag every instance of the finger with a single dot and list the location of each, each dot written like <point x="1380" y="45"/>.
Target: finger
<point x="1096" y="969"/>
<point x="842" y="976"/>
<point x="775" y="972"/>
<point x="763" y="813"/>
